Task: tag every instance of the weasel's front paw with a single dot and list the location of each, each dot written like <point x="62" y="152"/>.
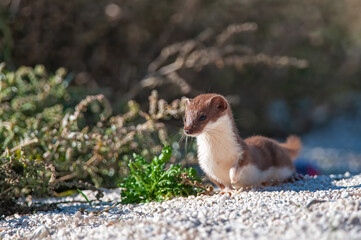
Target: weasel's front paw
<point x="226" y="191"/>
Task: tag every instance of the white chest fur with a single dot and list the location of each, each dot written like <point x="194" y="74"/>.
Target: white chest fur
<point x="218" y="149"/>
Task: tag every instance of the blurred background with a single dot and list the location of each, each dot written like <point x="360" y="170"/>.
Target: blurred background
<point x="286" y="66"/>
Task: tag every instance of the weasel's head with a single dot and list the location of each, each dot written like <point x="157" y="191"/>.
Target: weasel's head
<point x="202" y="110"/>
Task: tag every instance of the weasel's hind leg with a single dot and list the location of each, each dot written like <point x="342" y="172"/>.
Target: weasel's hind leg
<point x="270" y="183"/>
<point x="292" y="179"/>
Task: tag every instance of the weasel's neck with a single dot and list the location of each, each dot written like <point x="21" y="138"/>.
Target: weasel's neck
<point x="220" y="141"/>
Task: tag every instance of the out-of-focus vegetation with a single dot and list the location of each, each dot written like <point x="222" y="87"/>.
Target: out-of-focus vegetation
<point x="21" y="176"/>
<point x="122" y="47"/>
<point x="48" y="145"/>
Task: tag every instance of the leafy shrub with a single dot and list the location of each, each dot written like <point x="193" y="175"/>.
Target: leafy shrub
<point x="150" y="182"/>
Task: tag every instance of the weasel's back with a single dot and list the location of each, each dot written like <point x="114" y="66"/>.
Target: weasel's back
<point x="267" y="152"/>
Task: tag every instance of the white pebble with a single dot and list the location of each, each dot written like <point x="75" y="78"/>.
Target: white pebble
<point x="77" y="214"/>
<point x="40" y="233"/>
<point x="344" y="195"/>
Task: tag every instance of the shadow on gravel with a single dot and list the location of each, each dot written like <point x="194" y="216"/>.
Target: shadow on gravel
<point x="311" y="184"/>
<point x="10" y="206"/>
<point x="83" y="208"/>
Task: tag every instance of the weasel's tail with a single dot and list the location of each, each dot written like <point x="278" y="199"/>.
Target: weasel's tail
<point x="293" y="146"/>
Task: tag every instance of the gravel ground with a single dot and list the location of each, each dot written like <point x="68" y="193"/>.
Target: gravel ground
<point x="323" y="207"/>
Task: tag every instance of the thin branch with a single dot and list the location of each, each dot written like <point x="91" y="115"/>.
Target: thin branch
<point x="27" y="143"/>
<point x="66" y="177"/>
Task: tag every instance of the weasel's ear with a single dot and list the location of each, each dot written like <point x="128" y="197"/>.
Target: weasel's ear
<point x="220" y="102"/>
<point x="188" y="101"/>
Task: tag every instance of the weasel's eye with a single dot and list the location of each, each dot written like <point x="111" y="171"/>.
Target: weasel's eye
<point x="202" y="118"/>
<point x="185" y="119"/>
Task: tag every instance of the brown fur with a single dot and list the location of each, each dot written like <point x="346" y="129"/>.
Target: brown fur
<point x="265" y="152"/>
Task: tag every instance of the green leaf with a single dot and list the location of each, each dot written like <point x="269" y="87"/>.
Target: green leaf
<point x="86" y="198"/>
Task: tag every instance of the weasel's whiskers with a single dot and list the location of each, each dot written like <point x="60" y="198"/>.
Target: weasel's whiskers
<point x="181" y="140"/>
<point x="186" y="149"/>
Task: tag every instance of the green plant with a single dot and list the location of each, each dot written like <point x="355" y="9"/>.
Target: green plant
<point x="151" y="182"/>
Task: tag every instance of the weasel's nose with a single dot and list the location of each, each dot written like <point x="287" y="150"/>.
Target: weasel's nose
<point x="187" y="131"/>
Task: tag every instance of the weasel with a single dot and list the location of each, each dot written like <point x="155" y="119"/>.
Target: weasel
<point x="229" y="161"/>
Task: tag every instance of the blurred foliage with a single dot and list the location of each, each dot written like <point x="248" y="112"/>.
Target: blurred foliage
<point x="71" y="143"/>
<point x="20" y="176"/>
<point x="118" y="45"/>
<point x="151" y="182"/>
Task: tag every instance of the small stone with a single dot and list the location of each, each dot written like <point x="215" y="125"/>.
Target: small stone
<point x="202" y="214"/>
<point x="160" y="209"/>
<point x="224" y="197"/>
<point x="25" y="222"/>
<point x="344" y="195"/>
<point x="262" y="204"/>
<point x="77" y="214"/>
<point x="233" y="215"/>
<point x="76" y="222"/>
<point x="40" y="233"/>
<point x="355" y="221"/>
<point x="57" y="218"/>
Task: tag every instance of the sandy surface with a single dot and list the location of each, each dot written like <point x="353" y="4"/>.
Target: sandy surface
<point x="325" y="207"/>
